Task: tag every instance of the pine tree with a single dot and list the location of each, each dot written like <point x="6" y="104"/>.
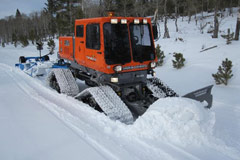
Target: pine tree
<point x="160" y="55"/>
<point x="228" y="37"/>
<point x="3" y="44"/>
<point x="51" y="46"/>
<point x="18" y="14"/>
<point x="179" y="60"/>
<point x="51" y="9"/>
<point x="32" y="36"/>
<point x="23" y="40"/>
<point x="224" y="72"/>
<point x="14" y="39"/>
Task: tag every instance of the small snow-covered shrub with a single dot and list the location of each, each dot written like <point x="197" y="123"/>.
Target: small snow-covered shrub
<point x="228" y="37"/>
<point x="51" y="45"/>
<point x="160" y="55"/>
<point x="3" y="44"/>
<point x="179" y="39"/>
<point x="224" y="72"/>
<point x="179" y="60"/>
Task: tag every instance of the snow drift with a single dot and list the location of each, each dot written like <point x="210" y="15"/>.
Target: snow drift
<point x="178" y="120"/>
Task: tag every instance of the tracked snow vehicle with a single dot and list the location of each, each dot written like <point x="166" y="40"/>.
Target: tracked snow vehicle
<point x="115" y="56"/>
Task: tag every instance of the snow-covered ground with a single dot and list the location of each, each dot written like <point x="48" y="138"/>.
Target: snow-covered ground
<point x="38" y="123"/>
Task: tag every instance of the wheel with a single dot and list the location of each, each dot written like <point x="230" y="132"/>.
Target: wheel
<point x="52" y="81"/>
<point x="46" y="58"/>
<point x="90" y="83"/>
<point x="91" y="102"/>
<point x="22" y="59"/>
<point x="60" y="62"/>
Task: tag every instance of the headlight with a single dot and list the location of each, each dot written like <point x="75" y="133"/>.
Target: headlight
<point x="114" y="21"/>
<point x="144" y="21"/>
<point x="136" y="21"/>
<point x="114" y="79"/>
<point x="153" y="64"/>
<point x="117" y="68"/>
<point x="123" y="21"/>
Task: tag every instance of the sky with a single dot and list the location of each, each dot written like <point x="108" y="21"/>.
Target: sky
<point x="9" y="7"/>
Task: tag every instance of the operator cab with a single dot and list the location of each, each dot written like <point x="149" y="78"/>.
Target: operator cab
<point x="119" y="47"/>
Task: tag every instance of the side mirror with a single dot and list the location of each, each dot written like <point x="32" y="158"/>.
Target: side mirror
<point x="155" y="31"/>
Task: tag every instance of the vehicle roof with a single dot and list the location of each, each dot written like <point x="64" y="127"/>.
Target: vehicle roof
<point x="108" y="19"/>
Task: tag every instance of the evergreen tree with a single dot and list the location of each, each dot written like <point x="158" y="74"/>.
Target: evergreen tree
<point x="224" y="72"/>
<point x="160" y="55"/>
<point x="3" y="44"/>
<point x="14" y="39"/>
<point x="51" y="46"/>
<point x="51" y="9"/>
<point x="228" y="37"/>
<point x="125" y="7"/>
<point x="18" y="14"/>
<point x="32" y="36"/>
<point x="179" y="60"/>
<point x="23" y="40"/>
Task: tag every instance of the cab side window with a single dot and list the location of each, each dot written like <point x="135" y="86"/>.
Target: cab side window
<point x="93" y="36"/>
<point x="79" y="31"/>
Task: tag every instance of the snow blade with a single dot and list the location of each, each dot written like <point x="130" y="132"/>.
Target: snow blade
<point x="201" y="95"/>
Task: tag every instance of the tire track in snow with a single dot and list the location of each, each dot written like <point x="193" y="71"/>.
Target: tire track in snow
<point x="59" y="113"/>
<point x="68" y="112"/>
<point x="71" y="119"/>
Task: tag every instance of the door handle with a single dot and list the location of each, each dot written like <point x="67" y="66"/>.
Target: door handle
<point x="81" y="41"/>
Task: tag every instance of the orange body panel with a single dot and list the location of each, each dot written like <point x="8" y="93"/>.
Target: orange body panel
<point x="92" y="58"/>
<point x="66" y="47"/>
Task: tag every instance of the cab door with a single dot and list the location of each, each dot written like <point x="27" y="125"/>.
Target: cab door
<point x="80" y="45"/>
<point x="93" y="47"/>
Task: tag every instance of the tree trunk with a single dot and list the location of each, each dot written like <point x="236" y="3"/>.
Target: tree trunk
<point x="189" y="17"/>
<point x="237" y="27"/>
<point x="230" y="9"/>
<point x="176" y="15"/>
<point x="207" y="5"/>
<point x="166" y="32"/>
<point x="216" y="23"/>
<point x="176" y="24"/>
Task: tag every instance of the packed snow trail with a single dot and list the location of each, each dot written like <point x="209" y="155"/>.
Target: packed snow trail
<point x="82" y="119"/>
<point x="29" y="131"/>
<point x="115" y="140"/>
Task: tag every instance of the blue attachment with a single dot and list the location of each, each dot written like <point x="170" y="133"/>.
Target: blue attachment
<point x="61" y="64"/>
<point x="20" y="65"/>
<point x="30" y="64"/>
<point x="26" y="67"/>
<point x="56" y="65"/>
<point x="35" y="58"/>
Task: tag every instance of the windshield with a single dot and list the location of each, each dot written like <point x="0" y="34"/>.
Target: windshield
<point x="116" y="42"/>
<point x="142" y="45"/>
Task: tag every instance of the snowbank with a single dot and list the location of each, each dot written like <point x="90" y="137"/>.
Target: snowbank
<point x="178" y="120"/>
